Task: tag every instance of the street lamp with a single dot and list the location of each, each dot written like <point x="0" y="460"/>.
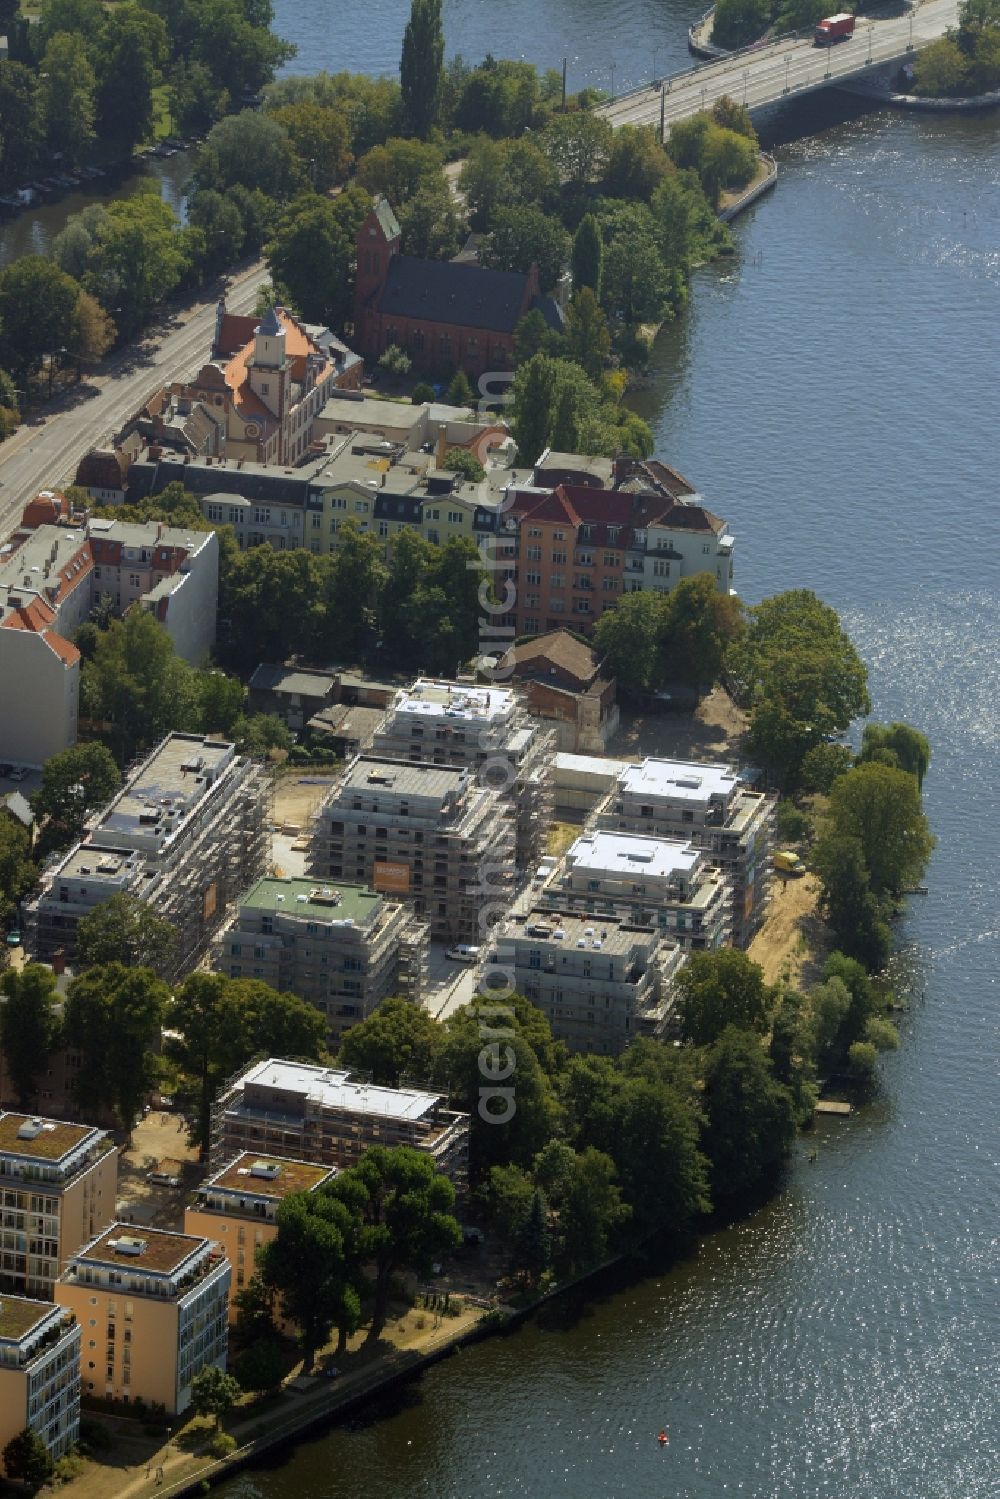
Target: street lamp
<point x="788" y="63"/>
<point x="871" y="39"/>
<point x="746" y="76"/>
<point x="613" y="66"/>
<point x="656" y="53"/>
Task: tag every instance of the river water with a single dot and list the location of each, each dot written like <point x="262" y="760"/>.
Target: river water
<point x="834" y="395"/>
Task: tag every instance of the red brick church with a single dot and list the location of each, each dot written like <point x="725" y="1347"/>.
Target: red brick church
<point x="447" y="315"/>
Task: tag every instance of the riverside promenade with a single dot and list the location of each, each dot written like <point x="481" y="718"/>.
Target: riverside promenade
<point x="761" y="76"/>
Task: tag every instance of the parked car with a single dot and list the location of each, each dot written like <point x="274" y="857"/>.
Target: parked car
<point x="462" y="953"/>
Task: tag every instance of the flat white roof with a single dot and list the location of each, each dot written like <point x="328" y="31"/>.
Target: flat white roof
<point x="632" y="854"/>
<point x="592" y="765"/>
<point x="430" y="699"/>
<point x="332" y="1088"/>
<point x="680" y="780"/>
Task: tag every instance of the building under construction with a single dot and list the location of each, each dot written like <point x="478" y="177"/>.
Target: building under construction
<point x="485" y="729"/>
<point x="187" y="834"/>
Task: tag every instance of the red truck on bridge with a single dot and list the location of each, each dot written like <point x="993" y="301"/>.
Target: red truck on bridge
<point x="838" y="28"/>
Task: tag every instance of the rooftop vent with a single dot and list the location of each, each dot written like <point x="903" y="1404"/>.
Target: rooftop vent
<point x="267" y="1169"/>
<point x="32" y="1128"/>
<point x="128" y="1244"/>
<point x="325" y="896"/>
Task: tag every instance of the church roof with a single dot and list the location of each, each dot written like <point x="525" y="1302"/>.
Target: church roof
<point x="442" y="291"/>
<point x="270" y="324"/>
<point x="387" y="220"/>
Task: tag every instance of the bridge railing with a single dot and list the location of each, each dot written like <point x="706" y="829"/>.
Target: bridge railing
<point x="703" y="65"/>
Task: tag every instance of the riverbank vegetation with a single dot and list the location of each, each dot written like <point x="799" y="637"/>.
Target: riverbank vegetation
<point x="738" y="23"/>
<point x="966" y="60"/>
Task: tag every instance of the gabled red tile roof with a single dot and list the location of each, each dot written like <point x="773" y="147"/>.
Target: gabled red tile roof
<point x="64" y="649"/>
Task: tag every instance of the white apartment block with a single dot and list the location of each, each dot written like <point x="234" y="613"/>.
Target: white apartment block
<point x="326" y="1116"/>
<point x="39" y="1373"/>
<point x="343" y="948"/>
<point x="600" y="982"/>
<point x="709" y="806"/>
<point x="187" y="833"/>
<point x="430" y="834"/>
<point x="58" y="1183"/>
<point x="658" y="882"/>
<point x="52" y="576"/>
<point x="485" y="729"/>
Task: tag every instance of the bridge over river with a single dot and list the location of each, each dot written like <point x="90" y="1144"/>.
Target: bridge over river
<point x="762" y="76"/>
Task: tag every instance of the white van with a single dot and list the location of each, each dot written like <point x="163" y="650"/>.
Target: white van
<point x="461" y="953"/>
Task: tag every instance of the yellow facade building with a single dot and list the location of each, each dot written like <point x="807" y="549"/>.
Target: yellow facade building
<point x="239" y="1205"/>
<point x="58" y="1183"/>
<point x="152" y="1307"/>
<point x="39" y="1373"/>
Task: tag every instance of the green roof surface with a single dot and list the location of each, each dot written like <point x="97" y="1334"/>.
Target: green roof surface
<point x="357" y="903"/>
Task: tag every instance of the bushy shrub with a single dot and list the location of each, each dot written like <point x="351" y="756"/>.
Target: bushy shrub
<point x="222" y="1444"/>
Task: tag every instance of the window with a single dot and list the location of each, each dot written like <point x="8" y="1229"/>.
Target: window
<point x="610" y="559"/>
<point x="581" y="606"/>
<point x="557" y="605"/>
<point x="264" y="388"/>
<point x="609" y="585"/>
<point x="559" y="557"/>
<point x="383" y="528"/>
<point x="334" y="524"/>
<point x="317" y="520"/>
<point x="613" y="533"/>
<point x="558" y="535"/>
<point x="532" y="601"/>
<point x="586" y="533"/>
<point x="534" y="554"/>
<point x="557" y="580"/>
<point x="361" y="506"/>
<point x="661" y="569"/>
<point x="585" y="559"/>
<point x="455" y="517"/>
<point x="261" y="515"/>
<point x="531" y="626"/>
<point x="97" y="571"/>
<point x="134" y="579"/>
<point x="534" y="531"/>
<point x="535" y="578"/>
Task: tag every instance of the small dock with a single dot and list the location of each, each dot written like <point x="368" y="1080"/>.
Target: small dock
<point x="833" y="1106"/>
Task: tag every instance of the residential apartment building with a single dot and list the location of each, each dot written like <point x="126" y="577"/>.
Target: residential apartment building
<point x="52" y="576"/>
<point x="659" y="882"/>
<point x="238" y="1207"/>
<point x="601" y="982"/>
<point x="574" y="548"/>
<point x="343" y="948"/>
<point x="187" y="833"/>
<point x="430" y="834"/>
<point x="153" y="1309"/>
<point x="485" y="729"/>
<point x="708" y="805"/>
<point x="39" y="1374"/>
<point x="323" y="1115"/>
<point x="58" y="1183"/>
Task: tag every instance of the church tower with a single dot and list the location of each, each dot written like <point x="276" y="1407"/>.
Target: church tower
<point x="270" y="370"/>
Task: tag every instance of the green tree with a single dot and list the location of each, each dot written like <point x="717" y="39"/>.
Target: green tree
<point x="822" y="765"/>
<point x="861" y="1060"/>
<point x="398" y="168"/>
<point x="29" y="1027"/>
<point x="93" y="330"/>
<point x="196" y="101"/>
<point x="578" y="144"/>
<point x="880" y="807"/>
<point x="67" y="94"/>
<point x="722" y="989"/>
<point x="397" y="1039"/>
<point x="592" y="1212"/>
<point x="460" y="461"/>
<point x="220" y="221"/>
<point x="112" y="1017"/>
<point x="637" y="163"/>
<point x="508" y="1191"/>
<point x="125" y="930"/>
<point x="22" y="123"/>
<point x="797" y="671"/>
<point x="941" y="69"/>
<point x="233" y="38"/>
<point x="27" y="1460"/>
<point x="588" y="256"/>
<point x="218" y="1024"/>
<point x="408" y="1209"/>
<point x="421" y="64"/>
<point x="133" y="50"/>
<point x="37" y="312"/>
<point x="260" y="1366"/>
<point x="138" y="258"/>
<point x="739" y="22"/>
<point x="430" y="223"/>
<point x="700" y="623"/>
<point x="460" y="392"/>
<point x="320" y="140"/>
<point x="732" y="116"/>
<point x="249" y="150"/>
<point x="531" y="336"/>
<point x="135" y="681"/>
<point x="628" y="637"/>
<point x="897" y="744"/>
<point x="637" y="284"/>
<point x="311" y="256"/>
<point x="792" y="1052"/>
<point x="74" y="783"/>
<point x="847" y="901"/>
<point x="829" y="1006"/>
<point x="18" y="872"/>
<point x="521" y="237"/>
<point x="587" y="338"/>
<point x="484" y="181"/>
<point x="749" y="1118"/>
<point x="501" y="97"/>
<point x="214" y="1393"/>
<point x="534" y="1241"/>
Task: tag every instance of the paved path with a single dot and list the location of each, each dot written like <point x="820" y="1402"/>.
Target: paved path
<point x="36" y="457"/>
<point x="785" y="68"/>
